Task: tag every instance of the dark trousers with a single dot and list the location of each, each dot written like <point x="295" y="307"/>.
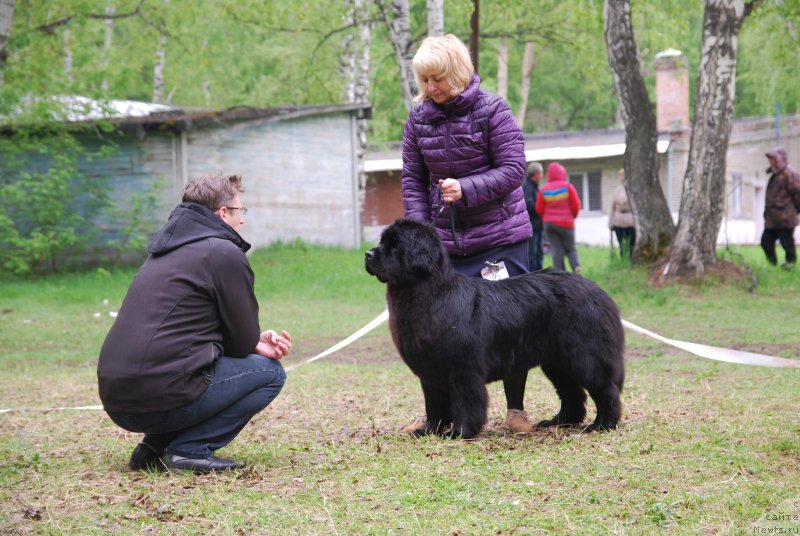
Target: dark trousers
<point x="785" y="237"/>
<point x="535" y="251"/>
<point x="626" y="238"/>
<point x="515" y="257"/>
<point x="239" y="389"/>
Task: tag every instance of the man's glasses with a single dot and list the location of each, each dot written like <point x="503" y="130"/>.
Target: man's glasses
<point x="243" y="210"/>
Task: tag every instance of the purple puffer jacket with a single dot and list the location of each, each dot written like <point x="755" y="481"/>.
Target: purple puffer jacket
<point x="475" y="139"/>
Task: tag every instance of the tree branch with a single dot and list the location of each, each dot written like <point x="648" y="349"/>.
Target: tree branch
<point x="51" y="27"/>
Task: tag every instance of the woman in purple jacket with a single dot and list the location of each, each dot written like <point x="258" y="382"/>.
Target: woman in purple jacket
<point x="463" y="167"/>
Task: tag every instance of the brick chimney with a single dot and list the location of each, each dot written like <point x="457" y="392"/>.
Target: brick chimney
<point x="672" y="91"/>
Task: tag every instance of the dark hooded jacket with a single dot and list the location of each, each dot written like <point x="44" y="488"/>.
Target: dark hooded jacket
<point x="782" y="200"/>
<point x="191" y="302"/>
<point x="475" y="139"/>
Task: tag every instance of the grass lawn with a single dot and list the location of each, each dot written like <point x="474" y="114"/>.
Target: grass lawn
<point x="703" y="446"/>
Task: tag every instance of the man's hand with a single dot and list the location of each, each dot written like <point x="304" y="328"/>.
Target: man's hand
<point x="272" y="345"/>
<point x="451" y="190"/>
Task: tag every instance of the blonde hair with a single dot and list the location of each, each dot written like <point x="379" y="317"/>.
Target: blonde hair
<point x="447" y="56"/>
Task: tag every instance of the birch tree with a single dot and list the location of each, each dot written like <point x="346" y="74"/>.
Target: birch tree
<point x="398" y="24"/>
<point x="435" y="17"/>
<point x="703" y="201"/>
<point x="6" y="16"/>
<point x="654" y="227"/>
<point x="528" y="65"/>
<point x="108" y="35"/>
<point x="355" y="69"/>
<point x="502" y="68"/>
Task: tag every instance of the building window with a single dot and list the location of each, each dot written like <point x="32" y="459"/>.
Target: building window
<point x="588" y="185"/>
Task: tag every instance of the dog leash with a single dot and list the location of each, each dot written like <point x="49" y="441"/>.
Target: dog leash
<point x="439" y="211"/>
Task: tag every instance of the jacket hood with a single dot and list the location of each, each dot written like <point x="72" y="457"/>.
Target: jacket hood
<point x="556" y="172"/>
<point x="460" y="105"/>
<point x="191" y="222"/>
<point x="779" y="154"/>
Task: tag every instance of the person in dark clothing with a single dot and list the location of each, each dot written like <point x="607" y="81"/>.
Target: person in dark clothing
<point x="530" y="189"/>
<point x="463" y="168"/>
<point x="781" y="206"/>
<point x="185" y="362"/>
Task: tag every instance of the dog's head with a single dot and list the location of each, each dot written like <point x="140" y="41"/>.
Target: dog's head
<point x="409" y="252"/>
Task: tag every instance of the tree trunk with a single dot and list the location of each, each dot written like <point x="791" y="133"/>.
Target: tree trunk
<point x="528" y="65"/>
<point x="474" y="36"/>
<point x="158" y="69"/>
<point x="398" y="25"/>
<point x="6" y="16"/>
<point x="502" y="68"/>
<point x="435" y="17"/>
<point x="654" y="226"/>
<point x="68" y="57"/>
<point x="703" y="199"/>
<point x="107" y="41"/>
<point x="355" y="68"/>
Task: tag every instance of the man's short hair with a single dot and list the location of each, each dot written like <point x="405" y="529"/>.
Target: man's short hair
<point x="533" y="168"/>
<point x="213" y="191"/>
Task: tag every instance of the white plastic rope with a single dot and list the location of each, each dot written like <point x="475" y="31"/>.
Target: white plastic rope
<point x="377" y="321"/>
<point x="719" y="354"/>
<point x="702" y="350"/>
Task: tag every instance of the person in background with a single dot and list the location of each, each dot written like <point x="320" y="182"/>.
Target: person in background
<point x="185" y="362"/>
<point x="620" y="219"/>
<point x="781" y="206"/>
<point x="558" y="204"/>
<point x="530" y="188"/>
<point x="463" y="167"/>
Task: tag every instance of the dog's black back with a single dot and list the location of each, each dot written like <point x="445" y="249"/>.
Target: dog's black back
<point x="457" y="333"/>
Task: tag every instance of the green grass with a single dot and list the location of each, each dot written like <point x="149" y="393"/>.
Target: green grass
<point x="703" y="447"/>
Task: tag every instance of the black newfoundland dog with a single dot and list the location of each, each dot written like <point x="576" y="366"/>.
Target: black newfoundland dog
<point x="457" y="333"/>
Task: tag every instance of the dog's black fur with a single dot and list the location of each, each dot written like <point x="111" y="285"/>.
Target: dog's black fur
<point x="457" y="333"/>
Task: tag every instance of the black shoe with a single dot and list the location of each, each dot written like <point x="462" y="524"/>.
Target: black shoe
<point x="211" y="464"/>
<point x="146" y="458"/>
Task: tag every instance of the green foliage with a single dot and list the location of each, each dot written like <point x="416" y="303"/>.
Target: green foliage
<point x="274" y="53"/>
<point x="48" y="204"/>
<point x="769" y="60"/>
<point x="136" y="222"/>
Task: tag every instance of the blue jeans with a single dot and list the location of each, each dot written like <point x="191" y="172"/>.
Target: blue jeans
<point x="239" y="389"/>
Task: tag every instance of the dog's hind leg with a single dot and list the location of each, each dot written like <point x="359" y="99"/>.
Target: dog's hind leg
<point x="609" y="407"/>
<point x="437" y="408"/>
<point x="572" y="395"/>
<point x="470" y="401"/>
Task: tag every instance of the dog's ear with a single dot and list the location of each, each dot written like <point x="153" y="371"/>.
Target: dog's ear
<point x="419" y="260"/>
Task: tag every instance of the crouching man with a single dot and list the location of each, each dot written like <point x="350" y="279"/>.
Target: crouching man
<point x="185" y="362"/>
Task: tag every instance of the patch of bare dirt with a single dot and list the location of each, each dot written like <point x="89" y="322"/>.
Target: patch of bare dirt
<point x="723" y="272"/>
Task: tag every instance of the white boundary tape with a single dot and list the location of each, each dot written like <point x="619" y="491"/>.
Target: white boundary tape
<point x="709" y="352"/>
<point x="377" y="321"/>
<point x="76" y="408"/>
<point x="719" y="354"/>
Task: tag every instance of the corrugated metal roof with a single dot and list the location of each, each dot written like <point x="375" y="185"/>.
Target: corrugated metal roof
<point x="78" y="109"/>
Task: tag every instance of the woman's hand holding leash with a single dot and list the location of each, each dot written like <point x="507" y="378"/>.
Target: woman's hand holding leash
<point x="451" y="190"/>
